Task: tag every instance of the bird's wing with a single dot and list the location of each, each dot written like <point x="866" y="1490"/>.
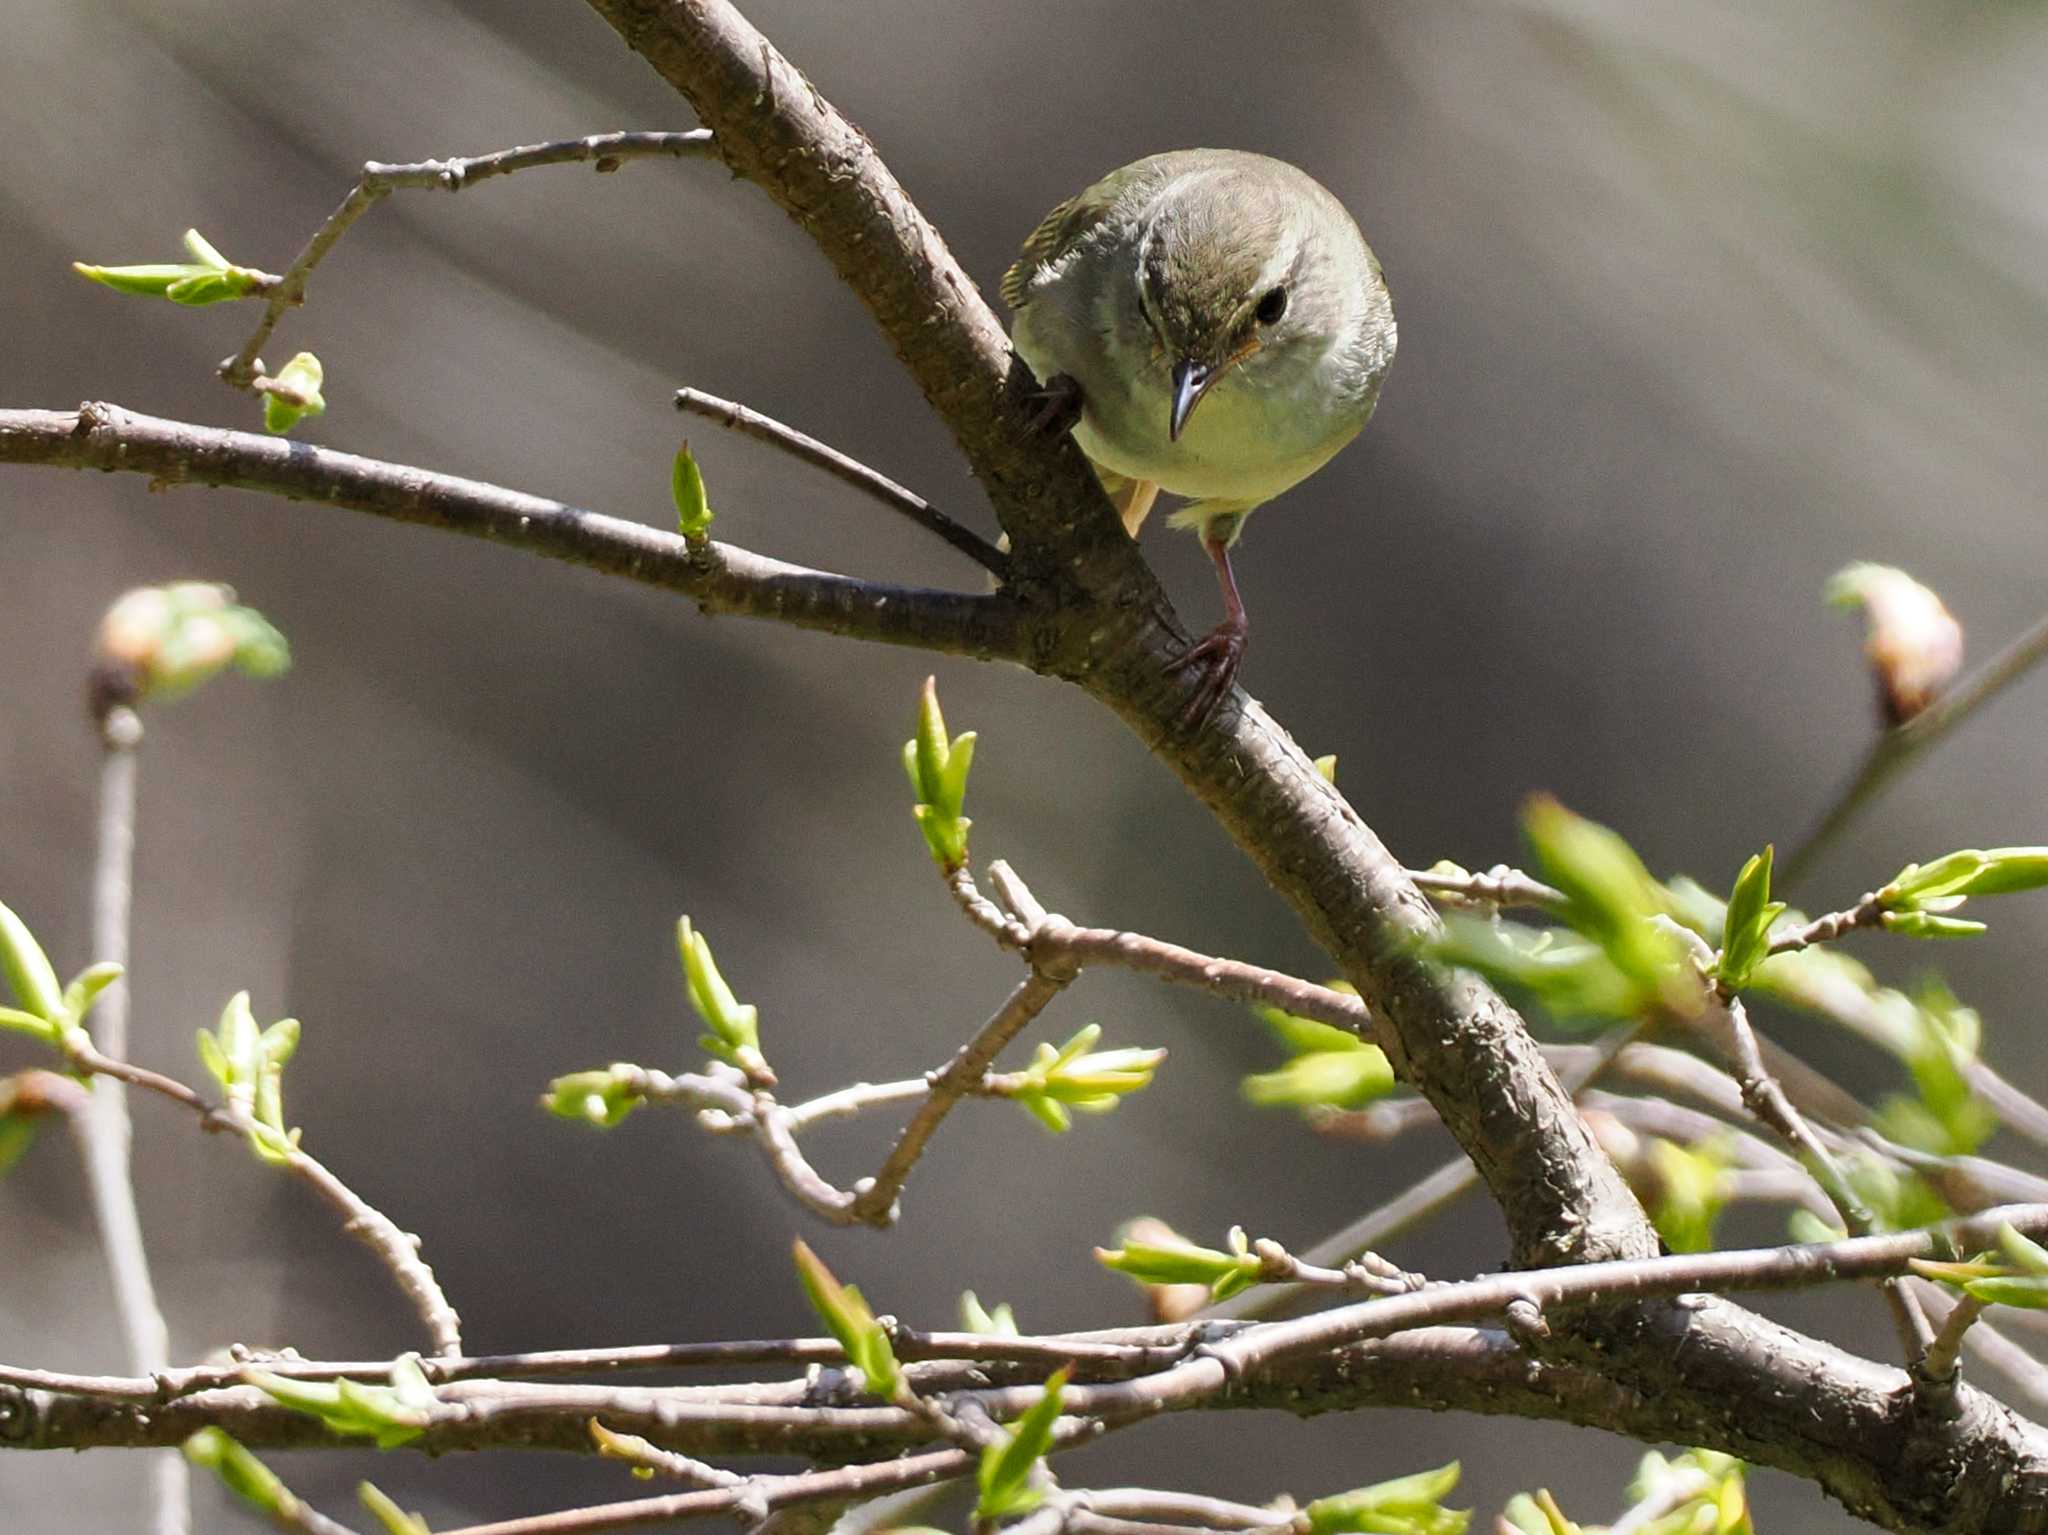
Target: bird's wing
<point x="1068" y="225"/>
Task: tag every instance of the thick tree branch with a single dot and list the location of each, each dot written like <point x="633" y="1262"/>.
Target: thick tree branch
<point x="718" y="577"/>
<point x="1450" y="1036"/>
<point x="1973" y="1466"/>
<point x="774" y="128"/>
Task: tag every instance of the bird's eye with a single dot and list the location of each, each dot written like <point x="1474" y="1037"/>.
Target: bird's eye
<point x="1272" y="306"/>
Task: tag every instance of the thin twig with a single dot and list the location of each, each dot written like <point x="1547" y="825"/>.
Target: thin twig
<point x="726" y="1104"/>
<point x="1368" y="1272"/>
<point x="1109" y="1354"/>
<point x="856" y="1098"/>
<point x="105" y="1131"/>
<point x="1180" y="1508"/>
<point x="1868" y="912"/>
<point x="1246" y="1351"/>
<point x="398" y="1249"/>
<point x="670" y="1463"/>
<point x="1897" y="748"/>
<point x="1499" y="887"/>
<point x="1935" y="1373"/>
<point x="1990" y="1347"/>
<point x="757" y="1497"/>
<point x="876" y="1197"/>
<point x="1051" y="939"/>
<point x="1766" y="1099"/>
<point x="245" y="369"/>
<point x="848" y="470"/>
<point x="718" y="577"/>
<point x="1223" y="1370"/>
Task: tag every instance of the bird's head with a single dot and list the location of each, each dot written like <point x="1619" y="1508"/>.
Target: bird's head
<point x="1239" y="277"/>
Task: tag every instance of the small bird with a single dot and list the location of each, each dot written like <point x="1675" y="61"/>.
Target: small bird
<point x="1208" y="279"/>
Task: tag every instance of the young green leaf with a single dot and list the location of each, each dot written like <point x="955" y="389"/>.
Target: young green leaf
<point x="1689" y="1191"/>
<point x="208" y="278"/>
<point x="1746" y="928"/>
<point x="937" y="765"/>
<point x="2027" y="1294"/>
<point x="389" y="1415"/>
<point x="395" y="1520"/>
<point x="294" y="394"/>
<point x="1611" y="899"/>
<point x="1926" y="924"/>
<point x="2023" y="1250"/>
<point x="1004" y="1475"/>
<point x="735" y="1027"/>
<point x="1093" y="1081"/>
<point x="998" y="1323"/>
<point x="847" y="1317"/>
<point x="248" y="1062"/>
<point x="1535" y="1515"/>
<point x="84" y="988"/>
<point x="145" y="281"/>
<point x="1176" y="1261"/>
<point x="30" y="975"/>
<point x="686" y="489"/>
<point x="1298" y="1035"/>
<point x="245" y="1476"/>
<point x="1346" y="1078"/>
<point x="600" y="1098"/>
<point x="1409" y="1505"/>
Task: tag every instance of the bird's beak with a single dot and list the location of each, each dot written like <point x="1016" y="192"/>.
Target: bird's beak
<point x="1191" y="380"/>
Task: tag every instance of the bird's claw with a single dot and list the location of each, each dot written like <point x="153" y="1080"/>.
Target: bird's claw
<point x="1218" y="654"/>
<point x="1053" y="409"/>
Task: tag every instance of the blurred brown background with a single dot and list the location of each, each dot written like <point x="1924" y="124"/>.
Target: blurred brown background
<point x="1696" y="304"/>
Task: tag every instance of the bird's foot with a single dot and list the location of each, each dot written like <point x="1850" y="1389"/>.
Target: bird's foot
<point x="1054" y="407"/>
<point x="1216" y="655"/>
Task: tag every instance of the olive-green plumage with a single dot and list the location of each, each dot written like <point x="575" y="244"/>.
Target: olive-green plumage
<point x="1226" y="329"/>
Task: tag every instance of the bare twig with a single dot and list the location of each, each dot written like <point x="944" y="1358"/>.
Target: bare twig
<point x="718" y="577"/>
<point x="1500" y="886"/>
<point x="876" y="1199"/>
<point x="1867" y="912"/>
<point x="607" y="151"/>
<point x="1989" y="1346"/>
<point x="851" y="471"/>
<point x="1156" y="1505"/>
<point x="1110" y="1354"/>
<point x="1934" y="1374"/>
<point x="397" y="1249"/>
<point x="1368" y="1272"/>
<point x="753" y="1499"/>
<point x="1251" y="1349"/>
<point x="1899" y="747"/>
<point x="105" y="1132"/>
<point x="727" y="1102"/>
<point x="1766" y="1099"/>
<point x="670" y="1463"/>
<point x="1049" y="939"/>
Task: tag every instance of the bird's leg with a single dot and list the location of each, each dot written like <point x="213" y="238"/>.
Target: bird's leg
<point x="1220" y="651"/>
<point x="1055" y="406"/>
